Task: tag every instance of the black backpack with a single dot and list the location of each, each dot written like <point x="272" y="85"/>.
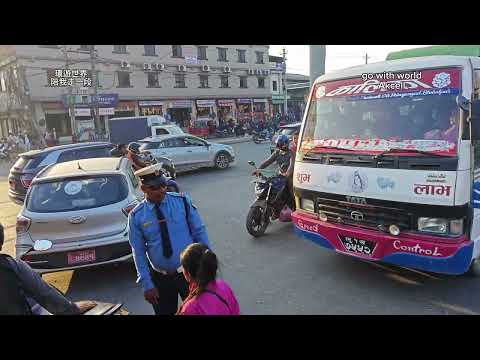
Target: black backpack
<point x="12" y="295"/>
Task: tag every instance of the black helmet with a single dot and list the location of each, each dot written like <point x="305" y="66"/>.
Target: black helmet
<point x="134" y="147"/>
<point x="281" y="141"/>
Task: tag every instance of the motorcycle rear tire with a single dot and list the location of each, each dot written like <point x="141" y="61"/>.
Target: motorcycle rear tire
<point x="257" y="213"/>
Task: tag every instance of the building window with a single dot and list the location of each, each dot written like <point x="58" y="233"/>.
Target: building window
<point x="259" y="57"/>
<point x="152" y="78"/>
<point x="123" y="79"/>
<point x="243" y="82"/>
<point x="176" y="50"/>
<point x="202" y="53"/>
<point x="222" y="54"/>
<point x="241" y="56"/>
<point x="120" y="49"/>
<point x="149" y="50"/>
<point x="261" y="82"/>
<point x="204" y="81"/>
<point x="274" y="85"/>
<point x="224" y="81"/>
<point x="86" y="47"/>
<point x="180" y="81"/>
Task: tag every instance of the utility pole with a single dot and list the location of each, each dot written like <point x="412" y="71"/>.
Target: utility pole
<point x="285" y="96"/>
<point x="95" y="85"/>
<point x="366" y="58"/>
<point x="71" y="104"/>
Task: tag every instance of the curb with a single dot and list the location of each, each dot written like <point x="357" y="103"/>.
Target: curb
<point x="233" y="141"/>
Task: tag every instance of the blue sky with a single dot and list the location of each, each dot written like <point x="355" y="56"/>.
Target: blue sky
<point x="338" y="56"/>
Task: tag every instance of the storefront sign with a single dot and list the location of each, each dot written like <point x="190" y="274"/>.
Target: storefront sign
<point x="181" y="104"/>
<point x="126" y="106"/>
<point x="151" y="103"/>
<point x="107" y="100"/>
<point x="244" y="101"/>
<point x="226" y="102"/>
<point x="106" y="111"/>
<point x="83" y="112"/>
<point x="191" y="60"/>
<point x="259" y="100"/>
<point x="205" y="103"/>
<point x="52" y="106"/>
<point x="84" y="101"/>
<point x="151" y="110"/>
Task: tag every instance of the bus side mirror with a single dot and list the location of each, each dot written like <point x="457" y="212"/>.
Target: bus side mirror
<point x="474" y="119"/>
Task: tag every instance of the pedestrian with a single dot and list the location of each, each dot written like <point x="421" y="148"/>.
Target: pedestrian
<point x="28" y="144"/>
<point x="160" y="228"/>
<point x="207" y="294"/>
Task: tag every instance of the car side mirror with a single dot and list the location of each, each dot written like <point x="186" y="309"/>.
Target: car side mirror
<point x="252" y="163"/>
<point x="474" y="119"/>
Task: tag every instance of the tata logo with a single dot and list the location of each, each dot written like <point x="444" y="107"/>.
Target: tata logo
<point x="356" y="216"/>
<point x="356" y="200"/>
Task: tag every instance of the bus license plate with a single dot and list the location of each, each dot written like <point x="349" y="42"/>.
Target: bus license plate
<point x="358" y="246"/>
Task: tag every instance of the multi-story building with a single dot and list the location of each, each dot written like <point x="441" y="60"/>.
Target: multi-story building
<point x="190" y="82"/>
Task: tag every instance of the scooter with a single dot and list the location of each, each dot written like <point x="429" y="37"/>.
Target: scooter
<point x="262" y="211"/>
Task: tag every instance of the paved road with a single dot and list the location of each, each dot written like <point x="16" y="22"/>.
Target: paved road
<point x="280" y="273"/>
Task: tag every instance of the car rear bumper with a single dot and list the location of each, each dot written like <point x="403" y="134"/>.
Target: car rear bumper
<point x="57" y="259"/>
<point x="17" y="198"/>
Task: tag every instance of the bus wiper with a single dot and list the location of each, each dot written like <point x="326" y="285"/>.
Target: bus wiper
<point x="400" y="150"/>
<point x="326" y="147"/>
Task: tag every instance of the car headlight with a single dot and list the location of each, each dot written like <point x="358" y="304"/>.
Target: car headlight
<point x="440" y="226"/>
<point x="307" y="204"/>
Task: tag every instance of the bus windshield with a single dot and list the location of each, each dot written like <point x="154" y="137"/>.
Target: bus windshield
<point x="419" y="120"/>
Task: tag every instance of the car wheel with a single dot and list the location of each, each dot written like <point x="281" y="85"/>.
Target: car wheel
<point x="222" y="160"/>
<point x="474" y="269"/>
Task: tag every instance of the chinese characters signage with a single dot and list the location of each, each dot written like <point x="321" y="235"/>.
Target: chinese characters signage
<point x="69" y="77"/>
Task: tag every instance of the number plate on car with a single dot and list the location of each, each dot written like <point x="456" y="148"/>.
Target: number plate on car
<point x="80" y="257"/>
<point x="358" y="246"/>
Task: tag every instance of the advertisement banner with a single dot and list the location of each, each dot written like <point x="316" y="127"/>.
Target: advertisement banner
<point x="106" y="111"/>
<point x="151" y="103"/>
<point x="205" y="103"/>
<point x="83" y="112"/>
<point x="259" y="100"/>
<point x="244" y="101"/>
<point x="226" y="102"/>
<point x="384" y="85"/>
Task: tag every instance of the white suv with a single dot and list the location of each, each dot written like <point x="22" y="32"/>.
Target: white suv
<point x="80" y="210"/>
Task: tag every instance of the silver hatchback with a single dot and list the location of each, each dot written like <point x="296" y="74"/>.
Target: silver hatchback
<point x="76" y="215"/>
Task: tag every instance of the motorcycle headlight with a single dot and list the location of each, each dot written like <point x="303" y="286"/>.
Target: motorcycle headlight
<point x="440" y="226"/>
<point x="307" y="204"/>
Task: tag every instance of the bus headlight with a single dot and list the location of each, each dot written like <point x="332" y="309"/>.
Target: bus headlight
<point x="307" y="205"/>
<point x="433" y="225"/>
<point x="441" y="226"/>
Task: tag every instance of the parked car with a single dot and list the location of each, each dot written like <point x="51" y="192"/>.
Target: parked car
<point x="30" y="163"/>
<point x="290" y="130"/>
<point x="80" y="209"/>
<point x="190" y="152"/>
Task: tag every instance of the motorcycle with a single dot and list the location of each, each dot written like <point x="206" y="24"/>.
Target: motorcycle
<point x="261" y="212"/>
<point x="225" y="132"/>
<point x="100" y="308"/>
<point x="168" y="169"/>
<point x="262" y="136"/>
<point x="4" y="152"/>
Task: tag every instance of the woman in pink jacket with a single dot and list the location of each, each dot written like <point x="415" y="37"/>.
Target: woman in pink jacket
<point x="207" y="295"/>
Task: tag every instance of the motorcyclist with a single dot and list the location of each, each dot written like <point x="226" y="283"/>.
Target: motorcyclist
<point x="284" y="157"/>
<point x="134" y="156"/>
<point x="24" y="292"/>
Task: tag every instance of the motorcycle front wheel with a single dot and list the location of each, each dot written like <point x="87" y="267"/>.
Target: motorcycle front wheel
<point x="257" y="222"/>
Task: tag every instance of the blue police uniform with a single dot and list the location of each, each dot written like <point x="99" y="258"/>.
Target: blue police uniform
<point x="146" y="239"/>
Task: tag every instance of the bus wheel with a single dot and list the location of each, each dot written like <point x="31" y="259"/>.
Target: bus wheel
<point x="474" y="269"/>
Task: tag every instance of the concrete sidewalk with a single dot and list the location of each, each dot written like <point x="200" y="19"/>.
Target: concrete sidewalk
<point x="228" y="141"/>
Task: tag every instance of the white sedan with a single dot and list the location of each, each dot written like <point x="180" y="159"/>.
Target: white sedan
<point x="189" y="152"/>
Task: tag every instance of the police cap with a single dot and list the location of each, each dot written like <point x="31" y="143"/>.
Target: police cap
<point x="152" y="175"/>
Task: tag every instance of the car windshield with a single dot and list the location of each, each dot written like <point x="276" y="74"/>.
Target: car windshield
<point x="148" y="146"/>
<point x="422" y="120"/>
<point x="77" y="194"/>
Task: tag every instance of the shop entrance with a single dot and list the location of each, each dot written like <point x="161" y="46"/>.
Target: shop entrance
<point x="181" y="116"/>
<point x="59" y="122"/>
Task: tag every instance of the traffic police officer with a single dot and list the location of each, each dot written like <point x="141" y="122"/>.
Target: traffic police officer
<point x="160" y="228"/>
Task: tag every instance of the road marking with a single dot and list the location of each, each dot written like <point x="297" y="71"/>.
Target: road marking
<point x="455" y="308"/>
